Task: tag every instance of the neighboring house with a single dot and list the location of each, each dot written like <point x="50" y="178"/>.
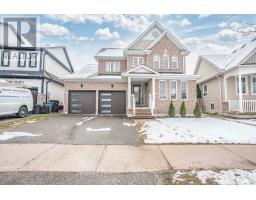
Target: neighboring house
<point x="140" y="80"/>
<point x="36" y="68"/>
<point x="228" y="82"/>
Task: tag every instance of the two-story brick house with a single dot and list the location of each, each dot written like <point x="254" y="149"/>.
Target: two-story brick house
<point x="139" y="80"/>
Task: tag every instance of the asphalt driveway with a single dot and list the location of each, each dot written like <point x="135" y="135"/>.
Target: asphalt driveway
<point x="75" y="130"/>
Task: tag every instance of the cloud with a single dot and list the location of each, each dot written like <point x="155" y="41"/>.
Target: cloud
<point x="53" y="30"/>
<point x="203" y="16"/>
<point x="106" y="34"/>
<point x="185" y="22"/>
<point x="181" y="23"/>
<point x="222" y="24"/>
<point x="228" y="35"/>
<point x="192" y="41"/>
<point x="235" y="26"/>
<point x="133" y="23"/>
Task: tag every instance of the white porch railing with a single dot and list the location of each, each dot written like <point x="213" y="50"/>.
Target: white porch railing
<point x="247" y="106"/>
<point x="151" y="104"/>
<point x="133" y="105"/>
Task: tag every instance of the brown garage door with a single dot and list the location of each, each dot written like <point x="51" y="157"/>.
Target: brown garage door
<point x="82" y="102"/>
<point x="112" y="102"/>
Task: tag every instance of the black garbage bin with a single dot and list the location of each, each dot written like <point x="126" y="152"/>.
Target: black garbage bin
<point x="55" y="105"/>
<point x="37" y="109"/>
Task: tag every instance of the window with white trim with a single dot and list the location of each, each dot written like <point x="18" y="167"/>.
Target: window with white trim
<point x="173" y="89"/>
<point x="5" y="59"/>
<point x="137" y="61"/>
<point x="165" y="61"/>
<point x="212" y="106"/>
<point x="254" y="85"/>
<point x="244" y="85"/>
<point x="205" y="90"/>
<point x="112" y="66"/>
<point x="162" y="90"/>
<point x="156" y="62"/>
<point x="184" y="89"/>
<point x="175" y="62"/>
<point x="22" y="59"/>
<point x="32" y="57"/>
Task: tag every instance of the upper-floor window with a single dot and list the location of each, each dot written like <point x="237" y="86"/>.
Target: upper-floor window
<point x="173" y="90"/>
<point x="156" y="61"/>
<point x="253" y="84"/>
<point x="137" y="61"/>
<point x="184" y="90"/>
<point x="32" y="57"/>
<point x="204" y="90"/>
<point x="165" y="60"/>
<point x="244" y="85"/>
<point x="112" y="66"/>
<point x="22" y="59"/>
<point x="5" y="59"/>
<point x="162" y="90"/>
<point x="175" y="62"/>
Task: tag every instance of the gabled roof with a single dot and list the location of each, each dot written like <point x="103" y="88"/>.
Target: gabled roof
<point x="84" y="72"/>
<point x="228" y="61"/>
<point x="164" y="32"/>
<point x="141" y="69"/>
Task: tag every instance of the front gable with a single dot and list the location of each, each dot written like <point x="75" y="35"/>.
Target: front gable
<point x="142" y="69"/>
<point x="251" y="60"/>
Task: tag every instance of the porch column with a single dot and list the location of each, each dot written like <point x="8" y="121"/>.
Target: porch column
<point x="129" y="92"/>
<point x="225" y="89"/>
<point x="240" y="91"/>
<point x="154" y="92"/>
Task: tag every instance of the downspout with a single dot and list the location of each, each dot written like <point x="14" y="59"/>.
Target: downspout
<point x="220" y="90"/>
<point x="46" y="87"/>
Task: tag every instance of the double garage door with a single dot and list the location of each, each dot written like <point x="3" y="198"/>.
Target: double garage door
<point x="109" y="102"/>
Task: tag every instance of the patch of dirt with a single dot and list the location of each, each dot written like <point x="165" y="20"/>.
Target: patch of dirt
<point x="29" y="119"/>
<point x="185" y="177"/>
<point x="139" y="130"/>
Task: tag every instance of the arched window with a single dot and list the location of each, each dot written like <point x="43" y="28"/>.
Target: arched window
<point x="156" y="62"/>
<point x="165" y="61"/>
<point x="175" y="62"/>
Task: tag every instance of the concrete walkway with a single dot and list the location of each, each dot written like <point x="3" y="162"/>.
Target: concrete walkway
<point x="124" y="158"/>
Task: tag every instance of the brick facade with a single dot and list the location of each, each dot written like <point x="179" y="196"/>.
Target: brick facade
<point x="163" y="105"/>
<point x="102" y="65"/>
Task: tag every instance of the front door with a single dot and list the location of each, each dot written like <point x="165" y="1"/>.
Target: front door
<point x="137" y="94"/>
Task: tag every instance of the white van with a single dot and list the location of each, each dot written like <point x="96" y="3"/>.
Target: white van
<point x="15" y="100"/>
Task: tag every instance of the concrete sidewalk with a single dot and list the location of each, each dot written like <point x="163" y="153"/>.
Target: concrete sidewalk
<point x="124" y="158"/>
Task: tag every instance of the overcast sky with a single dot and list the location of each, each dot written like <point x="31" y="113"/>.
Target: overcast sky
<point x="84" y="35"/>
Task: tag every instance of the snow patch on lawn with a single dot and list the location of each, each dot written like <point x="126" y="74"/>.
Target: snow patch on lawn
<point x="129" y="124"/>
<point x="223" y="177"/>
<point x="98" y="129"/>
<point x="197" y="130"/>
<point x="30" y="121"/>
<point x="85" y="119"/>
<point x="9" y="135"/>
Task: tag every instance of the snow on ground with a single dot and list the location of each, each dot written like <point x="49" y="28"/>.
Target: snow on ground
<point x="85" y="119"/>
<point x="129" y="124"/>
<point x="197" y="130"/>
<point x="245" y="121"/>
<point x="9" y="135"/>
<point x="98" y="129"/>
<point x="223" y="177"/>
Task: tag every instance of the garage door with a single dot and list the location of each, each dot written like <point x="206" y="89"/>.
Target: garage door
<point x="112" y="102"/>
<point x="82" y="102"/>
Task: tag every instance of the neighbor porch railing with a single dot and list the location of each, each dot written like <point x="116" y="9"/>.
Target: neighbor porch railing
<point x="247" y="106"/>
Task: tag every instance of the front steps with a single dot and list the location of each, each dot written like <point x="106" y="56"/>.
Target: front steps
<point x="143" y="113"/>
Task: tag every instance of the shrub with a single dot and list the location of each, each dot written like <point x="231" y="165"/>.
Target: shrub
<point x="197" y="110"/>
<point x="183" y="110"/>
<point x="171" y="111"/>
<point x="198" y="91"/>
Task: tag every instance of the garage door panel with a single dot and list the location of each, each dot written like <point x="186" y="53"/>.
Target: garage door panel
<point x="82" y="102"/>
<point x="112" y="102"/>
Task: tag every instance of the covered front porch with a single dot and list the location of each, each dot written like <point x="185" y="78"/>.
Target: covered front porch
<point x="240" y="90"/>
<point x="141" y="91"/>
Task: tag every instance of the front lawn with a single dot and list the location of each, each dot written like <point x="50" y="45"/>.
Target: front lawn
<point x="197" y="130"/>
